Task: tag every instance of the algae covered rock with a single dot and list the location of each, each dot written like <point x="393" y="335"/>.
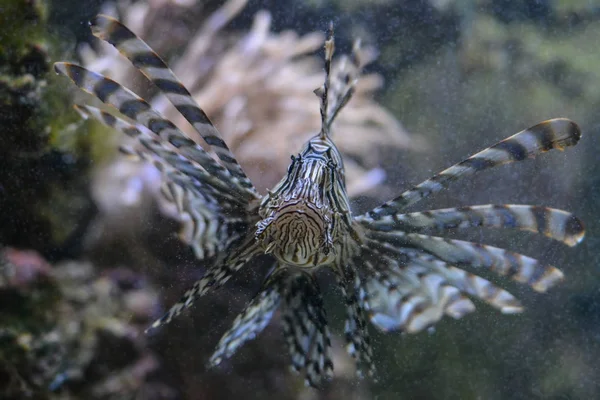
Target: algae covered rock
<point x="36" y="168"/>
<point x="69" y="331"/>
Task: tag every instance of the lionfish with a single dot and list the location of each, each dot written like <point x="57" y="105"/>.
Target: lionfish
<point x="390" y="269"/>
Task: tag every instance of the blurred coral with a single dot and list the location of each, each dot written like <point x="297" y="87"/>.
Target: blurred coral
<point x="65" y="325"/>
<point x="258" y="89"/>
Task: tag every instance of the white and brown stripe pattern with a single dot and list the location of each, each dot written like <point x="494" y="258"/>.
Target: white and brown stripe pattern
<point x="518" y="267"/>
<point x="413" y="302"/>
<point x="208" y="212"/>
<point x="155" y="69"/>
<point x="556" y="133"/>
<point x="215" y="277"/>
<point x="137" y="109"/>
<point x="305" y="328"/>
<point x="552" y="223"/>
<point x="169" y="160"/>
<point x="389" y="267"/>
<point x="308" y="209"/>
<point x="407" y="295"/>
<point x="255" y="317"/>
<point x="356" y="331"/>
<point x="344" y="79"/>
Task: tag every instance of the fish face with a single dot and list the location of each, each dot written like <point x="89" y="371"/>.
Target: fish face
<point x="298" y="233"/>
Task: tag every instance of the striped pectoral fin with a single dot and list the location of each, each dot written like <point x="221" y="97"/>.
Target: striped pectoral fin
<point x="136" y="108"/>
<point x="555" y="224"/>
<point x="108" y="119"/>
<point x="422" y="307"/>
<point x="156" y="70"/>
<point x="164" y="158"/>
<point x="199" y="288"/>
<point x="416" y="294"/>
<point x="469" y="283"/>
<point x="305" y="328"/>
<point x="355" y="328"/>
<point x="518" y="267"/>
<point x="175" y="186"/>
<point x="208" y="227"/>
<point x="169" y="162"/>
<point x="207" y="217"/>
<point x="410" y="299"/>
<point x="556" y="133"/>
<point x="254" y="318"/>
<point x="214" y="278"/>
<point x="200" y="214"/>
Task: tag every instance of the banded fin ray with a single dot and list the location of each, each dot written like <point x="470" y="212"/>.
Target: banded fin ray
<point x="518" y="267"/>
<point x="209" y="225"/>
<point x="305" y="328"/>
<point x="340" y="80"/>
<point x="215" y="277"/>
<point x="552" y="223"/>
<point x="556" y="133"/>
<point x="410" y="300"/>
<point x="255" y="317"/>
<point x="177" y="167"/>
<point x="137" y="109"/>
<point x="356" y="332"/>
<point x="471" y="284"/>
<point x="344" y="79"/>
<point x="416" y="274"/>
<point x="323" y="91"/>
<point x="155" y="69"/>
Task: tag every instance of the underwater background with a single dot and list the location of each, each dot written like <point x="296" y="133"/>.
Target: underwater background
<point x="90" y="255"/>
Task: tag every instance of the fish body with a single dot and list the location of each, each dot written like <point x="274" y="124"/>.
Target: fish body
<point x="392" y="267"/>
